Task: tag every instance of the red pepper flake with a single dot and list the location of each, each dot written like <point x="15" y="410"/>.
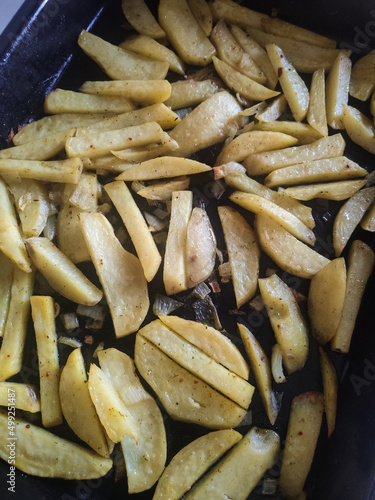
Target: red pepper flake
<point x="8" y="356"/>
<point x="300" y="433"/>
<point x="27" y="426"/>
<point x="130" y="139"/>
<point x="92" y="146"/>
<point x="89" y="339"/>
<point x="279" y="72"/>
<point x="278" y="326"/>
<point x="70" y="212"/>
<point x="47" y="374"/>
<point x="181" y="380"/>
<point x="237" y="312"/>
<point x="101" y="262"/>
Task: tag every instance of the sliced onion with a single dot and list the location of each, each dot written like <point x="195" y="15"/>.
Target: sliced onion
<point x="257" y="303"/>
<point x="97" y="312"/>
<point x="269" y="486"/>
<point x="217" y="189"/>
<point x="99" y="347"/>
<point x="206" y="313"/>
<point x="164" y="305"/>
<point x="247" y="420"/>
<point x="201" y="290"/>
<point x="160" y="238"/>
<point x="71" y="342"/>
<point x="49" y="230"/>
<point x="225" y="272"/>
<point x="69" y="321"/>
<point x="154" y="223"/>
<point x="277" y="365"/>
<point x="137" y="186"/>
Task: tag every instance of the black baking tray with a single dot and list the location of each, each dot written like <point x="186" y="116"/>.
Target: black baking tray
<point x="38" y="51"/>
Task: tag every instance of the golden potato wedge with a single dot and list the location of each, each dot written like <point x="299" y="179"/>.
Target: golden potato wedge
<point x="233" y="13"/>
<point x="148" y="47"/>
<point x="190" y="92"/>
<point x="68" y="101"/>
<point x="337" y="90"/>
<point x="243" y="182"/>
<point x="242" y="84"/>
<point x="368" y="220"/>
<point x="286" y="320"/>
<point x="162" y="167"/>
<point x="229" y="478"/>
<point x="200" y="247"/>
<point x="174" y="270"/>
<point x="139" y="154"/>
<point x="304" y="424"/>
<point x="163" y="190"/>
<point x="202" y="13"/>
<point x="326" y="299"/>
<point x="85" y="193"/>
<point x="15" y="328"/>
<point x="192" y="461"/>
<point x="305" y="57"/>
<point x="326" y="169"/>
<point x="198" y="363"/>
<point x="120" y="273"/>
<point x="293" y="87"/>
<point x="141" y="19"/>
<point x="61" y="273"/>
<point x="362" y="79"/>
<point x="285" y="250"/>
<point x="231" y="52"/>
<point x="43" y="314"/>
<point x="112" y="412"/>
<point x="360" y="128"/>
<point x="141" y="92"/>
<point x="330" y="388"/>
<point x="273" y="110"/>
<point x="145" y="459"/>
<point x="303" y="132"/>
<point x="266" y="162"/>
<point x="6" y="279"/>
<point x="38" y="448"/>
<point x="316" y="114"/>
<point x="290" y="222"/>
<point x="338" y="191"/>
<point x="255" y="141"/>
<point x="256" y="52"/>
<point x="262" y="372"/>
<point x="120" y="64"/>
<point x="210" y="341"/>
<point x="277" y="26"/>
<point x="361" y="261"/>
<point x="137" y="227"/>
<point x="206" y="125"/>
<point x="184" y="32"/>
<point x="184" y="396"/>
<point x="243" y="253"/>
<point x="21" y="396"/>
<point x="48" y="171"/>
<point x="78" y="409"/>
<point x="349" y="216"/>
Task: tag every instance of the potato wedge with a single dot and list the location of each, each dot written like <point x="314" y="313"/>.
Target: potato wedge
<point x="192" y="461"/>
<point x="360" y="128"/>
<point x="362" y="79"/>
<point x="338" y="191"/>
<point x="120" y="274"/>
<point x="163" y="190"/>
<point x="243" y="253"/>
<point x="256" y="52"/>
<point x="290" y="222"/>
<point x="184" y="32"/>
<point x="245" y="183"/>
<point x="262" y="372"/>
<point x="231" y="52"/>
<point x="368" y="220"/>
<point x="202" y="13"/>
<point x="337" y="90"/>
<point x="273" y="110"/>
<point x="61" y="273"/>
<point x="326" y="169"/>
<point x="68" y="101"/>
<point x="184" y="396"/>
<point x="264" y="163"/>
<point x="279" y="27"/>
<point x="303" y="132"/>
<point x="316" y="114"/>
<point x="141" y="92"/>
<point x="286" y="320"/>
<point x="210" y="341"/>
<point x="206" y="125"/>
<point x="200" y="247"/>
<point x="304" y="424"/>
<point x="233" y="13"/>
<point x="38" y="448"/>
<point x="349" y="216"/>
<point x="229" y="478"/>
<point x="305" y="58"/>
<point x="120" y="64"/>
<point x="112" y="412"/>
<point x="14" y="334"/>
<point x="137" y="227"/>
<point x="145" y="459"/>
<point x="198" y="363"/>
<point x="162" y="167"/>
<point x="293" y="87"/>
<point x="6" y="279"/>
<point x="242" y="84"/>
<point x="141" y="19"/>
<point x="330" y="388"/>
<point x="255" y="141"/>
<point x="190" y="92"/>
<point x="360" y="265"/>
<point x="326" y="299"/>
<point x="77" y="407"/>
<point x="285" y="250"/>
<point x="26" y="396"/>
